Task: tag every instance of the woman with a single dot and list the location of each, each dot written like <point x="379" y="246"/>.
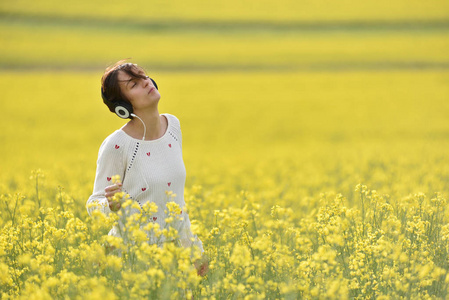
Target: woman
<point x="146" y="153"/>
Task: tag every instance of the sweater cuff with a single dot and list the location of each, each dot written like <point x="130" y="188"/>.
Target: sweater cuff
<point x="193" y="245"/>
<point x="100" y="204"/>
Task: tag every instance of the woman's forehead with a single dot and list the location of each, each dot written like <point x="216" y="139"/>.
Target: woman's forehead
<point x="123" y="76"/>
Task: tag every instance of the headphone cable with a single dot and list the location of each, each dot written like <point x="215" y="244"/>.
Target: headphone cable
<point x="144" y="127"/>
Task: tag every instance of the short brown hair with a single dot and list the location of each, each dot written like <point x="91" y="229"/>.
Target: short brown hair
<point x="110" y="83"/>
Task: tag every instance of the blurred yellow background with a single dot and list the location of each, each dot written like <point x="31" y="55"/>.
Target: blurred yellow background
<point x="283" y="104"/>
<point x="351" y="83"/>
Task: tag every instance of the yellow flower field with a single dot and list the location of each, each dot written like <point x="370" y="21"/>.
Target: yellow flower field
<point x="295" y="192"/>
<point x="315" y="143"/>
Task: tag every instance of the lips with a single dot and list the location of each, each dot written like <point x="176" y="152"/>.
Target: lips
<point x="152" y="89"/>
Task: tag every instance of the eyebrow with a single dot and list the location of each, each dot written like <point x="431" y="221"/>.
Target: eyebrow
<point x="132" y="78"/>
<point x="127" y="81"/>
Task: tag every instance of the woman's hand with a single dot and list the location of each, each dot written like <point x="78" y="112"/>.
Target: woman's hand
<point x="202" y="265"/>
<point x="109" y="192"/>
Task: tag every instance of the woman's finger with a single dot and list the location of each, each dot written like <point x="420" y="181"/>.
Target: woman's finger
<point x="203" y="269"/>
<point x="111" y="194"/>
<point x="113" y="187"/>
<point x="111" y="190"/>
<point x="114" y="205"/>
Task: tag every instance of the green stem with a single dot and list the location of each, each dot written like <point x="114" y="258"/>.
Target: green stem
<point x="37" y="191"/>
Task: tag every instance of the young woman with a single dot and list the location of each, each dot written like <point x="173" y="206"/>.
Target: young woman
<point x="146" y="153"/>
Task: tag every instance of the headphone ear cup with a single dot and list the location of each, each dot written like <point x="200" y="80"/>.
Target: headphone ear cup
<point x="123" y="109"/>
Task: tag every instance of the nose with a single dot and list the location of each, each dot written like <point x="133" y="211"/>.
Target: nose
<point x="146" y="82"/>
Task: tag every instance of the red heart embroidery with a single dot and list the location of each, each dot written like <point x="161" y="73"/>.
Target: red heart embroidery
<point x="148" y="153"/>
<point x="117" y="146"/>
<point x="169" y="145"/>
<point x="109" y="178"/>
<point x="154" y="218"/>
<point x="169" y="183"/>
<point x="144" y="189"/>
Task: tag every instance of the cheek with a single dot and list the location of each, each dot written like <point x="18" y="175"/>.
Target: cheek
<point x="132" y="96"/>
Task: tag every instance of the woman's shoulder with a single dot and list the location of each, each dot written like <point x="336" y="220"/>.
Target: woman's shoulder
<point x="172" y="120"/>
<point x="114" y="148"/>
<point x="115" y="140"/>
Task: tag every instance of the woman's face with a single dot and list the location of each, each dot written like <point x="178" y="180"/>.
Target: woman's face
<point x="140" y="92"/>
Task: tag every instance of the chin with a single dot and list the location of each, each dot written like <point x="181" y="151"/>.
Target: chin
<point x="155" y="100"/>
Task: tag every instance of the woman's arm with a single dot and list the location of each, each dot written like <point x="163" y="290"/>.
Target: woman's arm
<point x="188" y="239"/>
<point x="110" y="163"/>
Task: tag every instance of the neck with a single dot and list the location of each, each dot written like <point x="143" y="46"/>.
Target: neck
<point x="153" y="123"/>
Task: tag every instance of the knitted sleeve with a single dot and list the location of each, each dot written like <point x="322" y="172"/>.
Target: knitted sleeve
<point x="187" y="238"/>
<point x="176" y="127"/>
<point x="110" y="162"/>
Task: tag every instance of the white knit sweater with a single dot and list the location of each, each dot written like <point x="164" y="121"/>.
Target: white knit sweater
<point x="148" y="169"/>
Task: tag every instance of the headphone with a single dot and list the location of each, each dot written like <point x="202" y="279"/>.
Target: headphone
<point x="121" y="107"/>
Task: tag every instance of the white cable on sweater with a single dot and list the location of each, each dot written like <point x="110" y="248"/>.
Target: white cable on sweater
<point x="144" y="127"/>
